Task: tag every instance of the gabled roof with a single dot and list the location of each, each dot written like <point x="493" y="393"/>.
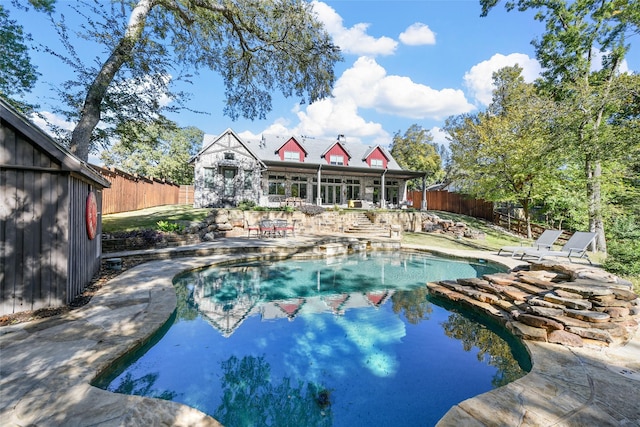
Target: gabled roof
<point x="385" y="153"/>
<point x="301" y="145"/>
<point x="266" y="149"/>
<point x="40" y="139"/>
<point x="210" y="140"/>
<point x="333" y="145"/>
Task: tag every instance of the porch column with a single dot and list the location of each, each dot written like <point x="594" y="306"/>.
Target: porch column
<point x="318" y="198"/>
<point x="404" y="192"/>
<point x="424" y="193"/>
<point x="383" y="201"/>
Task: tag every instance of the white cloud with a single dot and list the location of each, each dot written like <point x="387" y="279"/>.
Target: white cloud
<point x="598" y="56"/>
<point x="368" y="84"/>
<point x="44" y="119"/>
<point x="479" y="80"/>
<point x="439" y="136"/>
<point x="354" y="40"/>
<point x="418" y="34"/>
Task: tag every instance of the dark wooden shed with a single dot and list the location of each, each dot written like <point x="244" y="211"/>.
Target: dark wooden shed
<point x="50" y="213"/>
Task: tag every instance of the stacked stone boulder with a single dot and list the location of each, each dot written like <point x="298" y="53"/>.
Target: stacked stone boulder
<point x="434" y="224"/>
<point x="569" y="304"/>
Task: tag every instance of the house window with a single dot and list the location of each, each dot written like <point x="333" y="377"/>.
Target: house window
<point x="209" y="177"/>
<point x="353" y="189"/>
<point x="292" y="156"/>
<point x="276" y="185"/>
<point x="229" y="156"/>
<point x="336" y="160"/>
<point x="248" y="179"/>
<point x="299" y="187"/>
<point x="376" y="163"/>
<point x="229" y="178"/>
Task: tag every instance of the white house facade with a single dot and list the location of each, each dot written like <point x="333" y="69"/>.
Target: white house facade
<point x="296" y="170"/>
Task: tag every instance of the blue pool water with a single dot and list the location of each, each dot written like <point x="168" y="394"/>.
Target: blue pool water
<point x="344" y="341"/>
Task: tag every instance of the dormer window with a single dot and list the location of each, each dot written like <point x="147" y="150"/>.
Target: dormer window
<point x="336" y="160"/>
<point x="376" y="163"/>
<point x="291" y="156"/>
<point x="229" y="156"/>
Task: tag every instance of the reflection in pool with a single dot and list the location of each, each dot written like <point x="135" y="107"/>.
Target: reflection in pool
<point x="343" y="341"/>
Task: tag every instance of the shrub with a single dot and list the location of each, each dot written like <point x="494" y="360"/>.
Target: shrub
<point x="311" y="210"/>
<point x="246" y="205"/>
<point x="169" y="227"/>
<point x="623" y="246"/>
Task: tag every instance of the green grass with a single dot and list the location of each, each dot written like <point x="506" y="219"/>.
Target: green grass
<point x="494" y="239"/>
<point x="145" y="219"/>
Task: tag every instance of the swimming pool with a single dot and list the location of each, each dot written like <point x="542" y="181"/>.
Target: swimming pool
<point x="350" y="341"/>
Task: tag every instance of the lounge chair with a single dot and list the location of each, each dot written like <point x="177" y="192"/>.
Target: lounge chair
<point x="544" y="242"/>
<point x="575" y="247"/>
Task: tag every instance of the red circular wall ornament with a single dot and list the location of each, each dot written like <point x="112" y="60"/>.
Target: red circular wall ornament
<point x="91" y="215"/>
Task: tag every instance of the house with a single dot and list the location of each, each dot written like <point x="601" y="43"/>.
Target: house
<point x="297" y="170"/>
<point x="50" y="218"/>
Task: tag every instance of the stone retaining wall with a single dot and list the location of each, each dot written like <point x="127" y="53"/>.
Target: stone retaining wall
<point x="567" y="304"/>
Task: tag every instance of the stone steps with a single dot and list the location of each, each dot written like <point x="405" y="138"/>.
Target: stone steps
<point x="363" y="225"/>
<point x="574" y="308"/>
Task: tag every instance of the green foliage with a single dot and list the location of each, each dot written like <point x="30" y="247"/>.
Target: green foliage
<point x="505" y="154"/>
<point x="417" y="151"/>
<point x="159" y="150"/>
<point x="246" y="205"/>
<point x="575" y="31"/>
<point x="258" y="47"/>
<point x="169" y="227"/>
<point x="17" y="74"/>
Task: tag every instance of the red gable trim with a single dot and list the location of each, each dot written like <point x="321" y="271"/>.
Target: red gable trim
<point x="293" y="146"/>
<point x="337" y="150"/>
<point x="377" y="154"/>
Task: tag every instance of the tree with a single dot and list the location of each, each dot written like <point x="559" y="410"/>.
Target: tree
<point x="577" y="32"/>
<point x="504" y="154"/>
<point x="159" y="151"/>
<point x="256" y="46"/>
<point x="416" y="151"/>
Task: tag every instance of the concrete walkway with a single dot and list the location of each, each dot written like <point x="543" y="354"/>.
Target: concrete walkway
<point x="46" y="366"/>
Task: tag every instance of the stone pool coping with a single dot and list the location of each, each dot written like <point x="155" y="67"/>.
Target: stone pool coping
<point x="46" y="366"/>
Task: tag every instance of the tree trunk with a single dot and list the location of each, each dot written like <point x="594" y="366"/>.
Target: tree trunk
<point x="90" y="113"/>
<point x="596" y="222"/>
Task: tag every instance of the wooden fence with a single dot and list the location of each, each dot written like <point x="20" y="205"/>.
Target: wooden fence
<point x="519" y="226"/>
<point x="456" y="203"/>
<point x="131" y="192"/>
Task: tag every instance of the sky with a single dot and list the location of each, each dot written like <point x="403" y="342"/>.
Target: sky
<point x="405" y="62"/>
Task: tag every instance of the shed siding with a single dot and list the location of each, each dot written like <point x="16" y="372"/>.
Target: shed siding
<point x="34" y="241"/>
<point x="84" y="254"/>
<point x="43" y="263"/>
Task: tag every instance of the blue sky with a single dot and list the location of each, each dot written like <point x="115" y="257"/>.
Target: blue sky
<point x="405" y="62"/>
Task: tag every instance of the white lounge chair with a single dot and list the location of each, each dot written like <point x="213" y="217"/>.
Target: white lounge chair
<point x="575" y="247"/>
<point x="544" y="242"/>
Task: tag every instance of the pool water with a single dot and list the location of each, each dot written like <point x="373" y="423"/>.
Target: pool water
<point x="349" y="341"/>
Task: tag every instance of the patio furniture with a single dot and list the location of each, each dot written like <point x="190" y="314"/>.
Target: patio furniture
<point x="281" y="227"/>
<point x="575" y="247"/>
<point x="544" y="242"/>
<point x="266" y="228"/>
<point x="255" y="228"/>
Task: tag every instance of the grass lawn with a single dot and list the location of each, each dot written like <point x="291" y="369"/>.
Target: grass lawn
<point x="145" y="219"/>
